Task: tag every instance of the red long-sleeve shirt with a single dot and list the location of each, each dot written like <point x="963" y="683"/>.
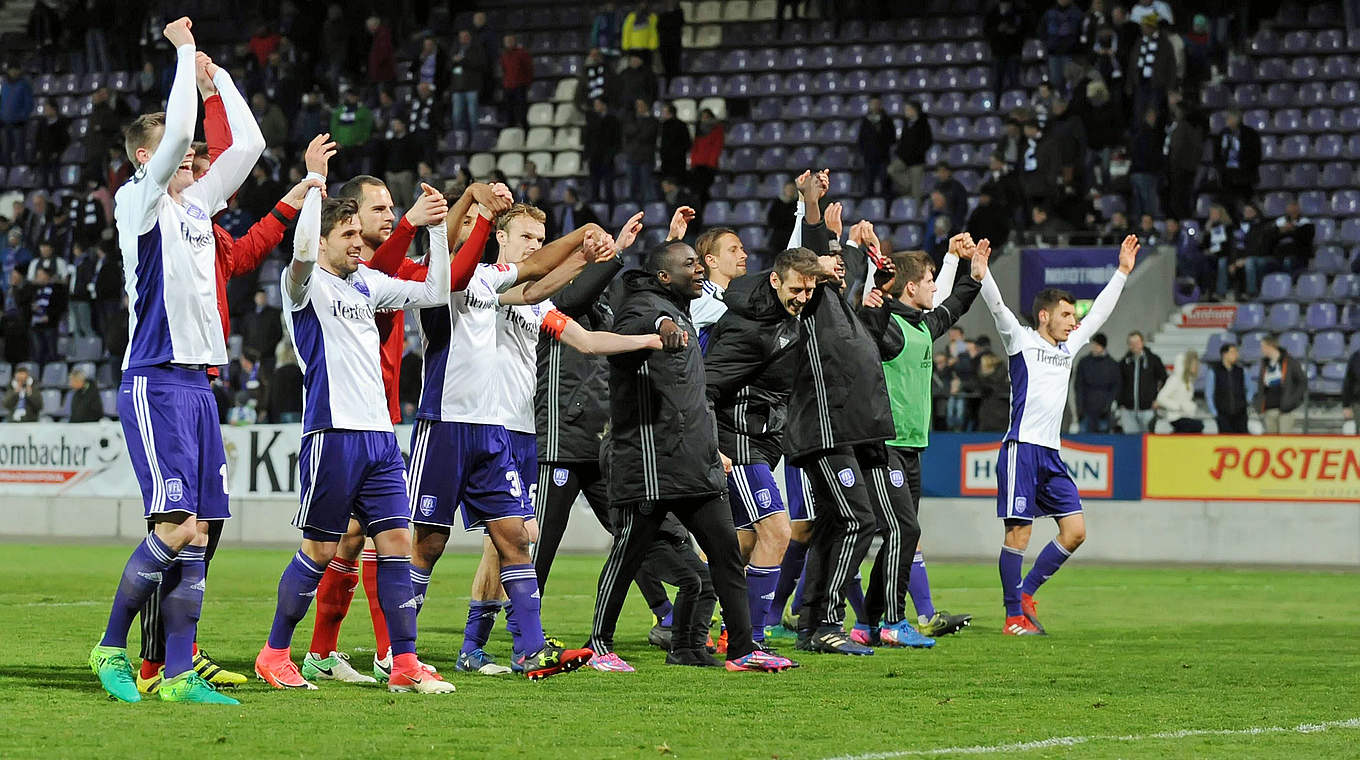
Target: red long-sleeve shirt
<point x="391" y="259"/>
<point x="517" y="68"/>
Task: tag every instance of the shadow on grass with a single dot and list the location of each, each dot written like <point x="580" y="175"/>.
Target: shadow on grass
<point x="73" y="677"/>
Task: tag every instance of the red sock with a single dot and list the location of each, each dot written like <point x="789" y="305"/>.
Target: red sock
<point x="150" y="668"/>
<point x="195" y="648"/>
<point x="333" y="595"/>
<point x="382" y="642"/>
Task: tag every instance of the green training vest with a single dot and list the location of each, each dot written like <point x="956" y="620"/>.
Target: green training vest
<point x="908" y="377"/>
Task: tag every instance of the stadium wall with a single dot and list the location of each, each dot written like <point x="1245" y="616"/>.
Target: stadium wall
<point x="1291" y="500"/>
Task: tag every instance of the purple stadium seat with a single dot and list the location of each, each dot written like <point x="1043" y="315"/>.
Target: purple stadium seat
<point x="1295" y="342"/>
<point x="1296" y="42"/>
<point x="706" y="61"/>
<point x="1325" y="230"/>
<point x="716" y="213"/>
<point x="906" y="237"/>
<point x="1320" y="316"/>
<point x="885" y="80"/>
<point x="948" y="103"/>
<point x="792" y="59"/>
<point x="737" y="86"/>
<point x="1305" y="68"/>
<point x="1272" y="178"/>
<point x="903" y="209"/>
<point x="1337" y="175"/>
<point x="1247" y="95"/>
<point x="680" y="87"/>
<point x="766" y="84"/>
<point x="1313" y="94"/>
<point x="1329" y="40"/>
<point x="1269" y="70"/>
<point x="800" y="132"/>
<point x="1311" y="286"/>
<point x="1328" y="147"/>
<point x="1280" y="95"/>
<point x="986" y="129"/>
<point x="767" y="108"/>
<point x="1352" y="149"/>
<point x="805" y="156"/>
<point x="826" y="82"/>
<point x="1343" y="94"/>
<point x="622" y="212"/>
<point x="841" y="183"/>
<point x="948" y="79"/>
<point x="855" y="81"/>
<point x="1258" y="119"/>
<point x="773" y="157"/>
<point x="953" y="129"/>
<point x="1249" y="344"/>
<point x="1320" y="120"/>
<point x="1282" y="316"/>
<point x="1033" y="50"/>
<point x="745" y="159"/>
<point x="1265" y="42"/>
<point x="831" y="132"/>
<point x="797" y="83"/>
<point x="1345" y="287"/>
<point x="754" y="238"/>
<point x="1013" y="99"/>
<point x="973" y="52"/>
<point x="1348" y="234"/>
<point x="1275" y="287"/>
<point x="1287" y="120"/>
<point x="977" y="78"/>
<point x="743" y="186"/>
<point x="770" y="133"/>
<point x="735" y="60"/>
<point x="960" y="155"/>
<point x="708" y="87"/>
<point x="1250" y="316"/>
<point x="824" y="57"/>
<point x="23" y="177"/>
<point x="1301" y="176"/>
<point x="915" y="80"/>
<point x="771" y="186"/>
<point x="873" y="209"/>
<point x="835" y="157"/>
<point x="1313" y="202"/>
<point x="1270" y="147"/>
<point x="739" y="134"/>
<point x="1337" y="67"/>
<point x="746" y="212"/>
<point x="914" y="54"/>
<point x="1273" y="204"/>
<point x="1328" y="346"/>
<point x="1214" y="96"/>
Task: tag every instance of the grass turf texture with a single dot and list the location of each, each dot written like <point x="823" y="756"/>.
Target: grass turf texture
<point x="1132" y="651"/>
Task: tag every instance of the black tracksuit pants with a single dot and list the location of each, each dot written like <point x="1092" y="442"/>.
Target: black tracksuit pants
<point x="901" y="533"/>
<point x="852" y="487"/>
<point x="636" y="529"/>
<point x="153" y="627"/>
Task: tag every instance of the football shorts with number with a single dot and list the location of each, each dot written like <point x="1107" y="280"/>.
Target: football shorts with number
<point x="467" y="464"/>
<point x="755" y="496"/>
<point x="1032" y="481"/>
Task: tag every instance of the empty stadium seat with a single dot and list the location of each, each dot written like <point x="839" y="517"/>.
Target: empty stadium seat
<point x="1295" y="342"/>
<point x="510" y="164"/>
<point x="1250" y="316"/>
<point x="481" y="164"/>
<point x="1327" y="346"/>
<point x="54" y="375"/>
<point x="1275" y="287"/>
<point x="1320" y="316"/>
<point x="1310" y="286"/>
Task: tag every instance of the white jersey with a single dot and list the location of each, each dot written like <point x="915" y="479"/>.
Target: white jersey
<point x="169" y="249"/>
<point x="512" y="391"/>
<point x="1040" y="370"/>
<point x="331" y="321"/>
<point x="461" y="351"/>
<point x="707" y="309"/>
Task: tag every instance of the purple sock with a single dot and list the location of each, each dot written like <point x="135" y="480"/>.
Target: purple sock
<point x="181" y="605"/>
<point x="511" y="626"/>
<point x="1009" y="564"/>
<point x="918" y="585"/>
<point x="297" y="588"/>
<point x="663" y="613"/>
<point x="420" y="583"/>
<point x="760" y="585"/>
<point x="790" y="572"/>
<point x="854" y="594"/>
<point x="397" y="597"/>
<point x="521" y="585"/>
<point x="141" y="575"/>
<point x="481" y="618"/>
<point x="1050" y="560"/>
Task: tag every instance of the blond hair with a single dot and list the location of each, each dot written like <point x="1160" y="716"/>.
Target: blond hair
<point x="516" y="211"/>
<point x="138" y="134"/>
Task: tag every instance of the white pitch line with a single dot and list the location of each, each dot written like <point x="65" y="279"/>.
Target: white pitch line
<point x="1070" y="741"/>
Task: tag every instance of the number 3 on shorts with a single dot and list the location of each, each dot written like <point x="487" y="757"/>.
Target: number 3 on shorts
<point x="515" y="489"/>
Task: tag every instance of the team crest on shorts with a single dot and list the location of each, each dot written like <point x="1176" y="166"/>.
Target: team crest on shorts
<point x="360" y="286"/>
<point x="763" y="498"/>
<point x="427" y="505"/>
<point x="174" y="489"/>
<point x="896" y="477"/>
<point x="1020" y="504"/>
<point x="559" y="476"/>
<point x="847" y="477"/>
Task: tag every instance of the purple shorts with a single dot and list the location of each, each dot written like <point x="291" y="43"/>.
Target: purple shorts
<point x="524" y="450"/>
<point x="346" y="473"/>
<point x="755" y="496"/>
<point x="171" y="428"/>
<point x="796" y="485"/>
<point x="467" y="465"/>
<point x="1032" y="481"/>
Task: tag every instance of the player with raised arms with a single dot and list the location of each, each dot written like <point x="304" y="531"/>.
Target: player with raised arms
<point x="349" y="460"/>
<point x="165" y="404"/>
<point x="1032" y="480"/>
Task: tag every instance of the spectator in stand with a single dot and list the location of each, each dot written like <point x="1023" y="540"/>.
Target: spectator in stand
<point x="1006" y="190"/>
<point x="1003" y="28"/>
<point x="1097" y="387"/>
<point x="84" y="401"/>
<point x="597" y="80"/>
<point x="961" y="409"/>
<point x="49" y="141"/>
<point x="47" y="308"/>
<point x="382" y="56"/>
<point x="637" y="82"/>
<point x="517" y="73"/>
<point x="670" y="25"/>
<point x="16" y="255"/>
<point x="351" y="128"/>
<point x="639" y="151"/>
<point x="1011" y="145"/>
<point x="1151" y="67"/>
<point x="1281" y="387"/>
<point x="1158" y="10"/>
<point x="674" y="194"/>
<point x="535" y="196"/>
<point x="262" y="326"/>
<point x="248" y="380"/>
<point x="1184" y="149"/>
<point x="1350" y="390"/>
<point x="990" y="219"/>
<point x="606" y="31"/>
<point x="422" y="116"/>
<point x="939" y="393"/>
<point x="16" y="106"/>
<point x="576" y="213"/>
<point x="955" y="194"/>
<point x="601" y="139"/>
<point x="1226" y="391"/>
<point x="1251" y="239"/>
<point x="484" y="35"/>
<point x="432" y="65"/>
<point x="709" y="138"/>
<point x="1292" y="246"/>
<point x="1147" y="165"/>
<point x="22" y="402"/>
<point x="1237" y="160"/>
<point x="108" y="290"/>
<point x="285" y="397"/>
<point x="263" y="42"/>
<point x="1046" y="228"/>
<point x="1200" y="52"/>
<point x="908" y="166"/>
<point x="877" y="133"/>
<point x="91" y="219"/>
<point x="36" y="219"/>
<point x="15" y="320"/>
<point x="1104" y="126"/>
<point x="1141" y="376"/>
<point x="1215" y="240"/>
<point x="639" y="34"/>
<point x="1094" y="20"/>
<point x="259" y="192"/>
<point x="994" y="387"/>
<point x="532" y="178"/>
<point x="311" y="119"/>
<point x="469" y="71"/>
<point x="273" y="124"/>
<point x="58" y="271"/>
<point x="1041" y="104"/>
<point x="1068" y="134"/>
<point x="940" y="225"/>
<point x="1038" y="166"/>
<point x="1176" y="399"/>
<point x="782" y="215"/>
<point x="1061" y="28"/>
<point x="83" y="292"/>
<point x="675" y="143"/>
<point x="401" y="152"/>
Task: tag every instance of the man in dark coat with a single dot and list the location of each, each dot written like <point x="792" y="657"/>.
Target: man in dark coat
<point x="877" y="133"/>
<point x="1097" y="386"/>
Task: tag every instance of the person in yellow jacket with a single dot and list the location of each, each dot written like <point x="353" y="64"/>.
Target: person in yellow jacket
<point x="640" y="33"/>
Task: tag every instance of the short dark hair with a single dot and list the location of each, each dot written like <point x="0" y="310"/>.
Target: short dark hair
<point x="1139" y="333"/>
<point x="911" y="267"/>
<point x="199" y="148"/>
<point x="355" y="187"/>
<point x="1224" y="348"/>
<point x="335" y="211"/>
<point x="1047" y="298"/>
<point x="1100" y="340"/>
<point x="658" y="258"/>
<point x="800" y="260"/>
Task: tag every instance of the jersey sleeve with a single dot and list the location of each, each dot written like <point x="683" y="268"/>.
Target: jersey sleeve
<point x="139" y="199"/>
<point x="501" y="277"/>
<point x="1012" y="332"/>
<point x="707" y="310"/>
<point x="433" y="290"/>
<point x="1101" y="309"/>
<point x="389" y="256"/>
<point x="944" y="280"/>
<point x="248" y="253"/>
<point x="297" y="275"/>
<point x="234" y="165"/>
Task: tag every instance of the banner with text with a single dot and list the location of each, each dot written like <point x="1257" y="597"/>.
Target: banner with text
<point x="1252" y="467"/>
<point x="90" y="459"/>
<point x="1080" y="271"/>
<point x="964" y="464"/>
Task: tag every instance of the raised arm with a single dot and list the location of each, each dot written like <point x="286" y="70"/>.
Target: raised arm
<point x="944" y="280"/>
<point x="216" y="131"/>
<point x="1103" y="306"/>
<point x="943" y="316"/>
<point x="297" y="276"/>
<point x="600" y="343"/>
<point x="550" y="256"/>
<point x="181" y="111"/>
<point x="596" y="250"/>
<point x="247" y="143"/>
<point x="391" y="293"/>
<point x="1011" y="330"/>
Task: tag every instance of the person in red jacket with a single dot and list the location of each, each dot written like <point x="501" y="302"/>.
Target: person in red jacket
<point x="234" y="258"/>
<point x="704" y="155"/>
<point x="517" y="73"/>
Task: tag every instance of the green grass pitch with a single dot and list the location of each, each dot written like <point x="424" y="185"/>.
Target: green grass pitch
<point x="1136" y="658"/>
